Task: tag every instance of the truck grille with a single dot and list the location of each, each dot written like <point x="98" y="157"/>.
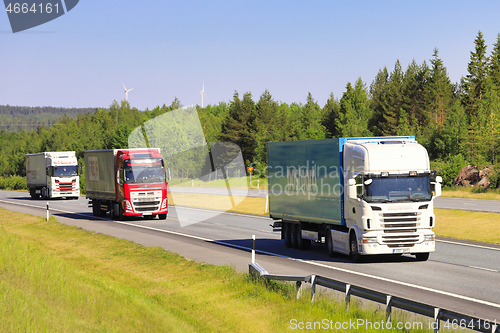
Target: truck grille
<point x="400" y="228"/>
<point x="65" y="187"/>
<point x="146" y="201"/>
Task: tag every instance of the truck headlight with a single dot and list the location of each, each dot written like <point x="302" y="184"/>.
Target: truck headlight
<point x="128" y="206"/>
<point x="164" y="204"/>
<point x="428" y="238"/>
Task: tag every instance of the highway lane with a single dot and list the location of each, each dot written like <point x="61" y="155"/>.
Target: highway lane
<point x="468" y="271"/>
<point x="478" y="205"/>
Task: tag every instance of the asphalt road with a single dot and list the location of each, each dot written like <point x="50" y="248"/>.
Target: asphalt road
<point x="459" y="276"/>
<point x="477" y="205"/>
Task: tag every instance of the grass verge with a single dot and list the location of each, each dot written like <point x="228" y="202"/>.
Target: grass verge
<point x="475" y="226"/>
<point x="60" y="278"/>
<point x="467" y="193"/>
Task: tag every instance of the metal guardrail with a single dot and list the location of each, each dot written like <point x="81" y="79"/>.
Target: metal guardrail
<point x="454" y="319"/>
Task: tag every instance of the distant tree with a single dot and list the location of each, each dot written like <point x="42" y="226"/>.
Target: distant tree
<point x="379" y="101"/>
<point x="475" y="81"/>
<point x="330" y="114"/>
<point x="311" y="120"/>
<point x="236" y="128"/>
<point x="494" y="65"/>
<point x="355" y="111"/>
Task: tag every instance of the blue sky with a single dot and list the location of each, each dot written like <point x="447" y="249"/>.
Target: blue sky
<point x="164" y="49"/>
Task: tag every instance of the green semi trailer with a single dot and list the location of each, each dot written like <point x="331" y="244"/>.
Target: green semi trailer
<point x="360" y="196"/>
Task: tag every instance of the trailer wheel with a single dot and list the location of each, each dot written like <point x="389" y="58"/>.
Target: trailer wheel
<point x="287" y="234"/>
<point x="329" y="242"/>
<point x="303" y="244"/>
<point x="422" y="256"/>
<point x="94" y="207"/>
<point x="356" y="257"/>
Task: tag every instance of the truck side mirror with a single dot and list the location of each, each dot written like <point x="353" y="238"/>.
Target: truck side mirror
<point x="118" y="180"/>
<point x="437" y="186"/>
<point x="169" y="177"/>
<point x="352" y="189"/>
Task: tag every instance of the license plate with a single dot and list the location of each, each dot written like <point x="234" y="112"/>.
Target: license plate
<point x="401" y="251"/>
<point x="147" y="213"/>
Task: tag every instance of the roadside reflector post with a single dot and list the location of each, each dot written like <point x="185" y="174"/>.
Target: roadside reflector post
<point x="47" y="210"/>
<point x="253" y="249"/>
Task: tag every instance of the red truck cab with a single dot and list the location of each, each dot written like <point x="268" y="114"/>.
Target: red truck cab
<point x="141" y="183"/>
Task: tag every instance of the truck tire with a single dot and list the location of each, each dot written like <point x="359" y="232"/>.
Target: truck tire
<point x="303" y="244"/>
<point x="162" y="216"/>
<point x="329" y="242"/>
<point x="287" y="234"/>
<point x="120" y="212"/>
<point x="94" y="207"/>
<point x="294" y="233"/>
<point x="422" y="256"/>
<point x="353" y="244"/>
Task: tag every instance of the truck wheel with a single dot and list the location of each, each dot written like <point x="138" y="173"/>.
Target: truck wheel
<point x="294" y="232"/>
<point x="422" y="256"/>
<point x="356" y="257"/>
<point x="120" y="212"/>
<point x="303" y="244"/>
<point x="162" y="216"/>
<point x="329" y="242"/>
<point x="287" y="234"/>
<point x="94" y="207"/>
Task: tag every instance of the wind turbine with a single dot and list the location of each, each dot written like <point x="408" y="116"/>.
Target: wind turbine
<point x="126" y="92"/>
<point x="202" y="92"/>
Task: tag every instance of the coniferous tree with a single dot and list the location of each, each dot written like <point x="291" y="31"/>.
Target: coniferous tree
<point x="440" y="91"/>
<point x="355" y="111"/>
<point x="494" y="66"/>
<point x="236" y="128"/>
<point x="475" y="81"/>
<point x="331" y="112"/>
<point x="379" y="100"/>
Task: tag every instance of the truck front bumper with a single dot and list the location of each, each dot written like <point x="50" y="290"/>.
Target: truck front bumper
<point x="375" y="248"/>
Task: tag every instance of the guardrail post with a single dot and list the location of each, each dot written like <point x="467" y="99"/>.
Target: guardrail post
<point x="388" y="307"/>
<point x="313" y="288"/>
<point x="48" y="211"/>
<point x="437" y="313"/>
<point x="347" y="296"/>
<point x="298" y="286"/>
<point x="253" y="249"/>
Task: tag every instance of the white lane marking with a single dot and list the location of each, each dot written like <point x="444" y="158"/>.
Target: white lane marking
<point x="484" y="269"/>
<point x="291" y="258"/>
<point x="471" y="245"/>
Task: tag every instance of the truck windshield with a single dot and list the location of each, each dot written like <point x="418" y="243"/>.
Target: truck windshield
<point x="65" y="171"/>
<point x="144" y="174"/>
<point x="396" y="189"/>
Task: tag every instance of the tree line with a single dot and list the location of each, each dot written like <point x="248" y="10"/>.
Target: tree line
<point x="15" y="118"/>
<point x="458" y="123"/>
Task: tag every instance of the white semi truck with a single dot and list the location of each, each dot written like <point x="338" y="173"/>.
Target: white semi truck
<point x="53" y="175"/>
<point x="361" y="196"/>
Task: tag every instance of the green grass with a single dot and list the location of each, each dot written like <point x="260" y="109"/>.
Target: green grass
<point x="241" y="182"/>
<point x="475" y="226"/>
<point x="59" y="278"/>
<point x="469" y="193"/>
